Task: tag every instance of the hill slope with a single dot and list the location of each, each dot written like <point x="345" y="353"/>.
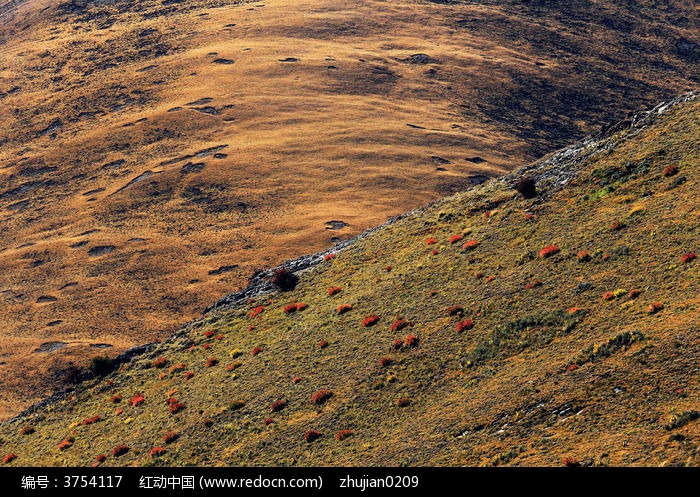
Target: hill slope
<point x="154" y="153"/>
<point x="507" y="331"/>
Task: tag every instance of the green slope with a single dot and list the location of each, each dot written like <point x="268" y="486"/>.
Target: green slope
<point x="557" y="360"/>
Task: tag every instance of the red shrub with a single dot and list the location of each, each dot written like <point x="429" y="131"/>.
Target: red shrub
<point x="116" y="398"/>
<point x="549" y="251"/>
<point x="189" y="375"/>
<point x="370" y="320"/>
<point x="212" y="361"/>
<point x="571" y="462"/>
<point x="430" y="241"/>
<point x="583" y="256"/>
<point x="284" y="279"/>
<point x="403" y="402"/>
<point x="9" y="458"/>
<point x="67" y="443"/>
<point x="170" y="437"/>
<point x="470" y="245"/>
<point x="120" y="450"/>
<point x="388" y="268"/>
<point x="617" y="226"/>
<point x="206" y="346"/>
<point x="268" y="421"/>
<point x="343" y="434"/>
<point x="634" y="293"/>
<point x="670" y="171"/>
<point x="137" y="400"/>
<point x="278" y="405"/>
<point x="385" y="361"/>
<point x="333" y="290"/>
<point x="397" y="344"/>
<point x="489" y="278"/>
<point x="101" y="458"/>
<point x="464" y="325"/>
<point x="209" y="333"/>
<point x="27" y="430"/>
<point x="690" y="256"/>
<point x="456" y="310"/>
<point x="533" y="284"/>
<point x="608" y="296"/>
<point x="159" y="362"/>
<point x="321" y="396"/>
<point x="311" y="435"/>
<point x="410" y="340"/>
<point x="157" y="452"/>
<point x="456" y="238"/>
<point x="435" y="252"/>
<point x="118" y="411"/>
<point x="175" y="407"/>
<point x="328" y="257"/>
<point x="219" y="337"/>
<point x="322" y="344"/>
<point x="572" y="367"/>
<point x="288" y="309"/>
<point x="399" y="324"/>
<point x="92" y="420"/>
<point x="256" y="350"/>
<point x="301" y="306"/>
<point x="257" y="311"/>
<point x="343" y="308"/>
<point x="654" y="307"/>
<point x="176" y="367"/>
<point x="296" y="380"/>
<point x="251" y="327"/>
<point x="606" y="256"/>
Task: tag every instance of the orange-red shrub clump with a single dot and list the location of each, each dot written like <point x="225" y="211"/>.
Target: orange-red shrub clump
<point x="27" y="430"/>
<point x="137" y="400"/>
<point x="608" y="296"/>
<point x="533" y="284"/>
<point x="256" y="350"/>
<point x="328" y="257"/>
<point x="430" y="241"/>
<point x="654" y="307"/>
<point x="388" y="268"/>
<point x="435" y="252"/>
<point x="456" y="310"/>
<point x="170" y="437"/>
<point x="334" y="290"/>
<point x="219" y="337"/>
<point x="617" y="226"/>
<point x="92" y="420"/>
<point x="321" y="396"/>
<point x="209" y="333"/>
<point x="301" y="306"/>
<point x="670" y="170"/>
<point x="278" y="405"/>
<point x="206" y="346"/>
<point x="157" y="452"/>
<point x="268" y="421"/>
<point x="464" y="325"/>
<point x="176" y="367"/>
<point x="189" y="375"/>
<point x="343" y="434"/>
<point x="399" y="324"/>
<point x="296" y="380"/>
<point x="571" y="462"/>
<point x="174" y="405"/>
<point x="456" y="238"/>
<point x="403" y="402"/>
<point x="385" y="361"/>
<point x="101" y="458"/>
<point x="120" y="450"/>
<point x="634" y="293"/>
<point x="343" y="308"/>
<point x="212" y="361"/>
<point x="256" y="311"/>
<point x="370" y="320"/>
<point x="410" y="340"/>
<point x="397" y="344"/>
<point x="288" y="309"/>
<point x="470" y="245"/>
<point x="548" y="251"/>
<point x="66" y="443"/>
<point x="583" y="256"/>
<point x="160" y="362"/>
<point x="322" y="344"/>
<point x="9" y="458"/>
<point x="311" y="435"/>
<point x="116" y="398"/>
<point x="690" y="256"/>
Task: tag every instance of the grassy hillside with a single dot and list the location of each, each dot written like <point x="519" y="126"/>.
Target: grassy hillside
<point x="561" y="329"/>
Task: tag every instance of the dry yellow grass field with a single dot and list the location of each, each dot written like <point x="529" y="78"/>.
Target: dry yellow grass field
<point x="153" y="154"/>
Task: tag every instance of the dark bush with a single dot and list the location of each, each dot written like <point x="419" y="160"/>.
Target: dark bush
<point x="526" y="187"/>
<point x="284" y="279"/>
